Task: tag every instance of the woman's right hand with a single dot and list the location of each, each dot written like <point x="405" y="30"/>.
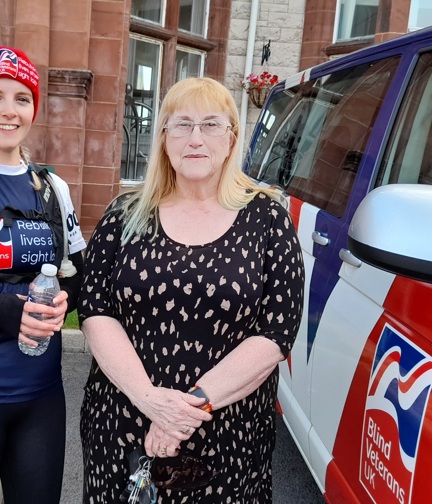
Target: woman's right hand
<point x="42" y="328"/>
<point x="173" y="411"/>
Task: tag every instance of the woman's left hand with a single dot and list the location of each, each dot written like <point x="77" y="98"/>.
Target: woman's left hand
<point x="159" y="443"/>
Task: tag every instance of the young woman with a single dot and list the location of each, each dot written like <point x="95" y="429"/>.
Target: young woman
<point x="32" y="402"/>
<point x="192" y="295"/>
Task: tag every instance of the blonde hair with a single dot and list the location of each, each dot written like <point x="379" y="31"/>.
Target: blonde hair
<point x="25" y="156"/>
<point x="235" y="188"/>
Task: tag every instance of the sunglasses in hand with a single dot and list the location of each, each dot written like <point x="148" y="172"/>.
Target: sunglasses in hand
<point x="190" y="474"/>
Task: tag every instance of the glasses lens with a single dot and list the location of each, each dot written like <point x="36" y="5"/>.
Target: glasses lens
<point x="208" y="128"/>
<point x="181" y="128"/>
<point x="213" y="128"/>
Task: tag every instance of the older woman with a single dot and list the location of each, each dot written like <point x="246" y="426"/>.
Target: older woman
<point x="192" y="295"/>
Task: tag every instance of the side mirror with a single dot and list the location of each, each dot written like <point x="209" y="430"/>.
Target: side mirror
<point x="392" y="230"/>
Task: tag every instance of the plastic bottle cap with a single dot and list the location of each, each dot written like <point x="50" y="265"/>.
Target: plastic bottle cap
<point x="67" y="269"/>
<point x="49" y="269"/>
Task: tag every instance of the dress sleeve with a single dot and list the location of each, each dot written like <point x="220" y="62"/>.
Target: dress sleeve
<point x="282" y="301"/>
<point x="95" y="298"/>
<point x="11" y="307"/>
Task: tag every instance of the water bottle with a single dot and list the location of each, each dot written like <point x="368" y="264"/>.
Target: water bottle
<point x="43" y="290"/>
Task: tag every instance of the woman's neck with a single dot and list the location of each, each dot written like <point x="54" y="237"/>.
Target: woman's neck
<point x="195" y="193"/>
<point x="10" y="158"/>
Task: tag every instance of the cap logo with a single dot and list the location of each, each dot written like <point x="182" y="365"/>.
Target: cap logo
<point x="8" y="63"/>
<point x="14" y="64"/>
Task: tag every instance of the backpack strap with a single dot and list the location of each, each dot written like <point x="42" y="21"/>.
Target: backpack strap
<point x="9" y="213"/>
<point x="52" y="213"/>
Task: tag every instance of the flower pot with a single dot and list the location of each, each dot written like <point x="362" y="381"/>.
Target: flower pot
<point x="258" y="95"/>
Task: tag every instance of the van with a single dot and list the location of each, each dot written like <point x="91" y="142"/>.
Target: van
<point x="350" y="144"/>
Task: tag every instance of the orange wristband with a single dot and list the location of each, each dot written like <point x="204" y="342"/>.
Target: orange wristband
<point x="199" y="392"/>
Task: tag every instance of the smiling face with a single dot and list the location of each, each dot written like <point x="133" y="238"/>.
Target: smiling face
<point x="197" y="157"/>
<point x="16" y="116"/>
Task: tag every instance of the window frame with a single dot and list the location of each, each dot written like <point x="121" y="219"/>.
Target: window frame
<point x="201" y="54"/>
<point x="401" y="162"/>
<point x="162" y="15"/>
<point x="206" y="11"/>
<point x="333" y="159"/>
<point x="337" y="27"/>
<point x="414" y="14"/>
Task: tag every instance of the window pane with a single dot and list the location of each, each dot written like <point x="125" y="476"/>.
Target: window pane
<point x="357" y="18"/>
<point x="150" y="10"/>
<point x="140" y="103"/>
<point x="420" y="14"/>
<point x="408" y="159"/>
<point x="189" y="64"/>
<point x="313" y="136"/>
<point x="193" y="16"/>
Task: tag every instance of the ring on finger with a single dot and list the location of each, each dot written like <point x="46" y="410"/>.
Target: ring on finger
<point x="187" y="429"/>
<point x="162" y="451"/>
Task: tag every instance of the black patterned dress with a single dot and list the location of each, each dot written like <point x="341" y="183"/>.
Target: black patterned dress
<point x="184" y="308"/>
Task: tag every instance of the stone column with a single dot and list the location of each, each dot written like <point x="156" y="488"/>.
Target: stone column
<point x="318" y="31"/>
<point x="108" y="51"/>
<point x="7" y="25"/>
<point x="69" y="88"/>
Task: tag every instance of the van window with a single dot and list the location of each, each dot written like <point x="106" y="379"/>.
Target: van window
<point x="312" y="136"/>
<point x="408" y="158"/>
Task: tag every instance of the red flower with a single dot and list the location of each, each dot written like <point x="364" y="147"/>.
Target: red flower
<point x="264" y="79"/>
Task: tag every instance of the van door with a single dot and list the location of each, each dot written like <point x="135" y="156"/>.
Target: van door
<point x="312" y="141"/>
<point x="386" y="419"/>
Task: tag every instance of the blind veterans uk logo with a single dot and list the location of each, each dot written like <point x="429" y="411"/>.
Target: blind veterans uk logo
<point x="6" y="255"/>
<point x="8" y="63"/>
<point x="398" y="394"/>
<point x="16" y="65"/>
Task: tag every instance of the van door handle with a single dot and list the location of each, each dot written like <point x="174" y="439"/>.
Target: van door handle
<point x="346" y="256"/>
<point x="320" y="239"/>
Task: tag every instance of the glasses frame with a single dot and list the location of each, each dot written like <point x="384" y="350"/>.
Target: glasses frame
<point x="169" y="127"/>
<point x="191" y="474"/>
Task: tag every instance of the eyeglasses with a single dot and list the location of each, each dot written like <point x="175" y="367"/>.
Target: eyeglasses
<point x="192" y="474"/>
<point x="185" y="128"/>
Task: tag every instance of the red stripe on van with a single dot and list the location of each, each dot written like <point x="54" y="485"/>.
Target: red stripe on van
<point x="294" y="210"/>
<point x="338" y="490"/>
<point x="409" y="301"/>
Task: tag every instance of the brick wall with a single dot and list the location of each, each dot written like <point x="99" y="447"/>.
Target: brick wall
<point x="281" y="22"/>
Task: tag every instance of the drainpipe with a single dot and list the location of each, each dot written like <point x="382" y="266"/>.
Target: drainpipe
<point x="247" y="71"/>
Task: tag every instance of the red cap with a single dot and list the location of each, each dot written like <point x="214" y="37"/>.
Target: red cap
<point x="15" y="64"/>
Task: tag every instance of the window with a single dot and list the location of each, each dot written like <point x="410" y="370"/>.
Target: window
<point x="193" y="16"/>
<point x="312" y="138"/>
<point x="140" y="101"/>
<point x="148" y="10"/>
<point x="356" y="19"/>
<point x="420" y="14"/>
<point x="189" y="64"/>
<point x="408" y="159"/>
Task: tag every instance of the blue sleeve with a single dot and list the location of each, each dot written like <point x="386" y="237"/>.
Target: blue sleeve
<point x="11" y="308"/>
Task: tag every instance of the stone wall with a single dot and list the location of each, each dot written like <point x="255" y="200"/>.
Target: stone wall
<point x="281" y="22"/>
